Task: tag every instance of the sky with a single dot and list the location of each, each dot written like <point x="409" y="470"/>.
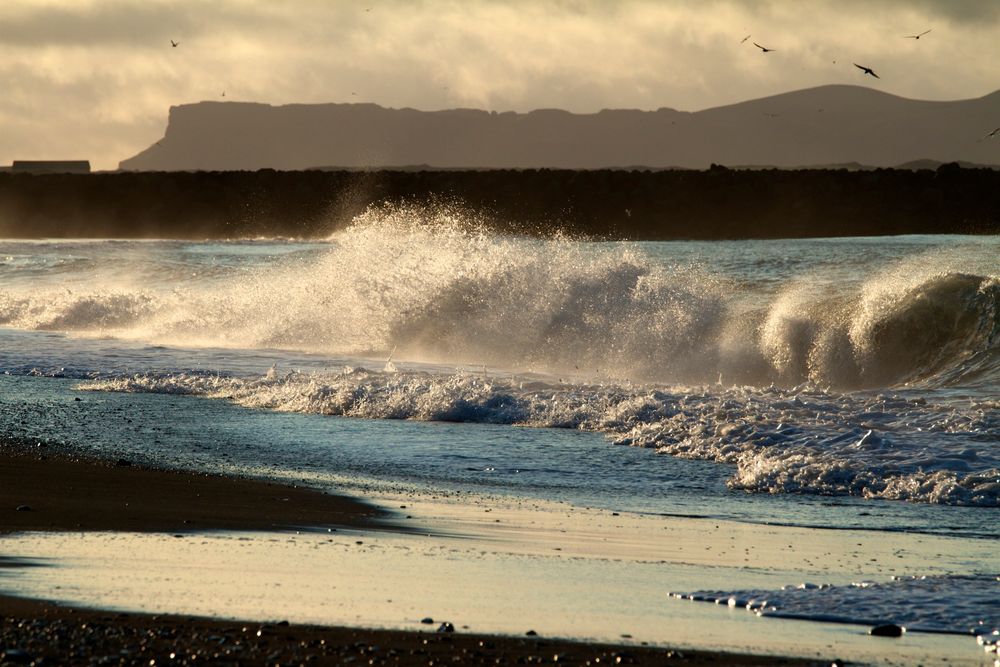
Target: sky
<point x="94" y="79"/>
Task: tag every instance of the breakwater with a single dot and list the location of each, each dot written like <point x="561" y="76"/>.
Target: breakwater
<point x="717" y="203"/>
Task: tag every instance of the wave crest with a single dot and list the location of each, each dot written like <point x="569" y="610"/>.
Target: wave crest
<point x="434" y="285"/>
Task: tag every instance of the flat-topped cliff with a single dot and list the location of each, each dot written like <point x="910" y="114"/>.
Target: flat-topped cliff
<point x="829" y="125"/>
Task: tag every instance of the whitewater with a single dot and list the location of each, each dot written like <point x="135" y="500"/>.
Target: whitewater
<point x="857" y="368"/>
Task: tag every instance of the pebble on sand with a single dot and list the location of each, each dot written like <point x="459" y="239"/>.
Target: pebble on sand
<point x="887" y="630"/>
<point x="16" y="656"/>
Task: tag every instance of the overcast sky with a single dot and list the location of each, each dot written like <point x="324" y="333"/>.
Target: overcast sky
<point x="95" y="78"/>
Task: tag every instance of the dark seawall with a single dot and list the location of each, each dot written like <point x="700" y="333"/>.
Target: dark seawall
<point x="715" y="204"/>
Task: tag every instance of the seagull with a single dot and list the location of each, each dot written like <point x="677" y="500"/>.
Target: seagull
<point x="764" y="49"/>
<point x="990" y="135"/>
<point x="744" y="39"/>
<point x="174" y="44"/>
<point x="867" y="70"/>
<point x="917" y="36"/>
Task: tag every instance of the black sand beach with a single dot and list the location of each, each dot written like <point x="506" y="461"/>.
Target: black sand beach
<point x="41" y="633"/>
<point x="59" y="492"/>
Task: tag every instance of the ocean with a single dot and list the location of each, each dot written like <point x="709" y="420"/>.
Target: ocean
<point x="845" y="383"/>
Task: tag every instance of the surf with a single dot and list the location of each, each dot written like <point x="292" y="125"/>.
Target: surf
<point x="434" y="285"/>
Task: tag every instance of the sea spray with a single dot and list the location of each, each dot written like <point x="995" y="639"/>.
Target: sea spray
<point x="433" y="284"/>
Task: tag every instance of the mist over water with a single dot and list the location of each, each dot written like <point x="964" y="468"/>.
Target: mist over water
<point x="849" y="366"/>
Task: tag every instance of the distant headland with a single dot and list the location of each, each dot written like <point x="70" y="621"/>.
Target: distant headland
<point x="834" y="125"/>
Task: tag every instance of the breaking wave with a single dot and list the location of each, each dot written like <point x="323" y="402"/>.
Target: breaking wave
<point x="434" y="286"/>
<point x="839" y="367"/>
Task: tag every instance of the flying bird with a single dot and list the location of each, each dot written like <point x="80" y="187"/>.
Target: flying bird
<point x="867" y="70"/>
<point x="744" y="39"/>
<point x="174" y="44"/>
<point x="917" y="36"/>
<point x="990" y="135"/>
<point x="763" y="49"/>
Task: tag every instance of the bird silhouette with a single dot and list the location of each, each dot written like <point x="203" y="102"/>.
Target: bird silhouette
<point x="744" y="39"/>
<point x="867" y="70"/>
<point x="917" y="36"/>
<point x="174" y="44"/>
<point x="763" y="49"/>
<point x="990" y="135"/>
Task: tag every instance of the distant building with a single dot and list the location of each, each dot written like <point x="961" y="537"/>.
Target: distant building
<point x="51" y="166"/>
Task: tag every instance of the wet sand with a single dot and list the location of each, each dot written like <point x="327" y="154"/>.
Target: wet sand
<point x="46" y="491"/>
<point x="57" y="491"/>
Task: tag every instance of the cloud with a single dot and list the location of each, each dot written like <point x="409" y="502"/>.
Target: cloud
<point x="95" y="79"/>
<point x="138" y="24"/>
<point x="984" y="13"/>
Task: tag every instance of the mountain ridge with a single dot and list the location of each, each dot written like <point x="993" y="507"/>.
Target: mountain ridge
<point x="833" y="124"/>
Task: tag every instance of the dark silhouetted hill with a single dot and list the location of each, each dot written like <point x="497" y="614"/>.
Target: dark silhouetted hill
<point x="828" y="125"/>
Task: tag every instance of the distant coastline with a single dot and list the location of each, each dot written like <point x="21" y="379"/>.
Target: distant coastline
<point x="717" y="203"/>
<point x="833" y="125"/>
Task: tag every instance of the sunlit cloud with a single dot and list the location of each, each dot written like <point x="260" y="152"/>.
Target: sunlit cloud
<point x="96" y="79"/>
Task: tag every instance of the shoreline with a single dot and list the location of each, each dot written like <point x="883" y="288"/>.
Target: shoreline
<point x="68" y="493"/>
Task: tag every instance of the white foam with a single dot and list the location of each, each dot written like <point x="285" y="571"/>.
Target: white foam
<point x="433" y="285"/>
<point x="804" y="441"/>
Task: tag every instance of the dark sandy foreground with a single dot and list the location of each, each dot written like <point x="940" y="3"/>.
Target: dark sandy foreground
<point x="35" y="632"/>
<point x="61" y="492"/>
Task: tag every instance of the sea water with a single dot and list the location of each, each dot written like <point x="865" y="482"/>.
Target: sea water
<point x="828" y="382"/>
